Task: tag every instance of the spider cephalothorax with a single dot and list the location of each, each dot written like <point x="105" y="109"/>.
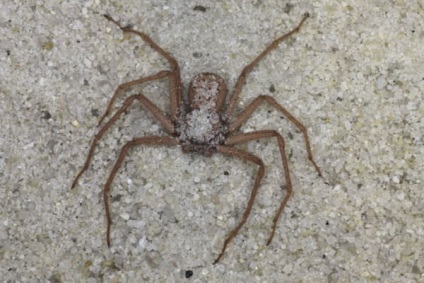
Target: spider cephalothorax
<point x="201" y="125"/>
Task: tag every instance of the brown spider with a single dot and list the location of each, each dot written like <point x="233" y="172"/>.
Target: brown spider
<point x="201" y="125"/>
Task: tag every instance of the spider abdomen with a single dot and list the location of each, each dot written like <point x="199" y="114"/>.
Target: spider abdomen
<point x="207" y="91"/>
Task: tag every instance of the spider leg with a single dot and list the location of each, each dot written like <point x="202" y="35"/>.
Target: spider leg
<point x="153" y="141"/>
<point x="123" y="87"/>
<point x="246" y="137"/>
<point x="166" y="123"/>
<point x="246" y="156"/>
<point x="246" y="70"/>
<point x="175" y="86"/>
<point x="245" y="114"/>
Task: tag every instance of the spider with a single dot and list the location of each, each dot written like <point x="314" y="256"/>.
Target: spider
<point x="199" y="123"/>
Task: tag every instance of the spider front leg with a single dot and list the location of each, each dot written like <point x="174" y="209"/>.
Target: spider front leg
<point x="246" y="137"/>
<point x="166" y="123"/>
<point x="245" y="114"/>
<point x="123" y="87"/>
<point x="248" y="69"/>
<point x="153" y="141"/>
<point x="175" y="86"/>
<point x="246" y="156"/>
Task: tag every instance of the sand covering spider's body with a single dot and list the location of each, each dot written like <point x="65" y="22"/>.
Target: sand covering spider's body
<point x="199" y="124"/>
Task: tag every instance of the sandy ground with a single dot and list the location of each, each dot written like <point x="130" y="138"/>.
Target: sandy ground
<point x="354" y="76"/>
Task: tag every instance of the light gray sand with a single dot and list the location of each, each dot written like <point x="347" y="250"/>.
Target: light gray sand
<point x="354" y="76"/>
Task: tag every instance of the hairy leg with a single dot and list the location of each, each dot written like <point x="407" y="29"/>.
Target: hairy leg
<point x="246" y="70"/>
<point x="246" y="137"/>
<point x="245" y="114"/>
<point x="152" y="141"/>
<point x="123" y="87"/>
<point x="166" y="123"/>
<point x="175" y="86"/>
<point x="249" y="157"/>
